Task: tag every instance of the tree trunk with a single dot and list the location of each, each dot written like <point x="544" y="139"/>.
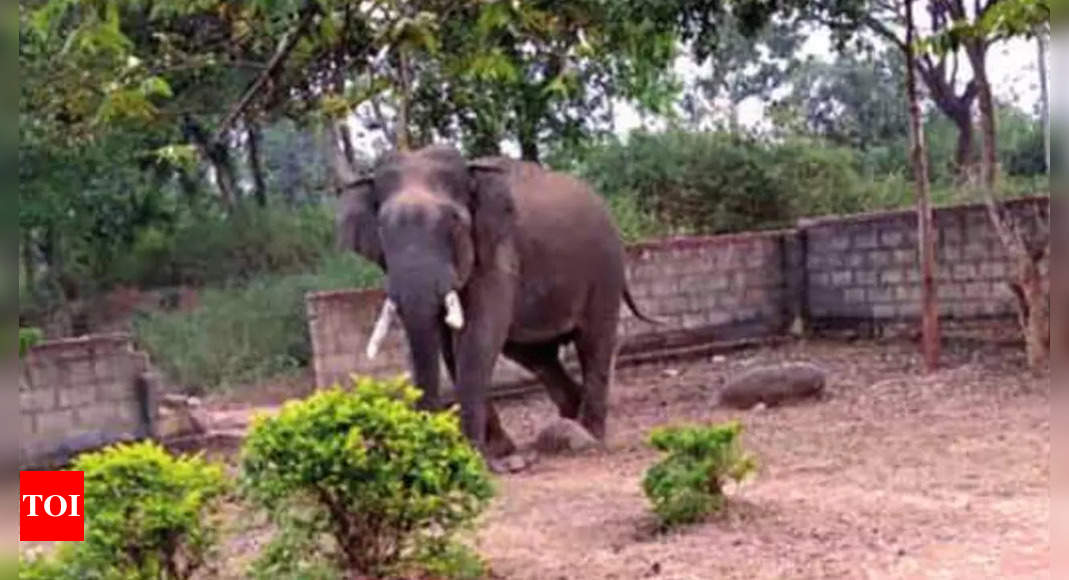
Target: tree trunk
<point x="977" y="51"/>
<point x="929" y="309"/>
<point x="964" y="153"/>
<point x="255" y="167"/>
<point x="404" y="141"/>
<point x="1033" y="302"/>
<point x="527" y="133"/>
<point x="1044" y="96"/>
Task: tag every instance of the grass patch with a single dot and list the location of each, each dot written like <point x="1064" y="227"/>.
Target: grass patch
<point x="245" y="333"/>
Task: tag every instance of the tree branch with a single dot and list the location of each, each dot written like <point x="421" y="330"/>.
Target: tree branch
<point x="308" y="11"/>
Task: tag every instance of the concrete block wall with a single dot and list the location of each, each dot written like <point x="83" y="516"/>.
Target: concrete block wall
<point x="708" y="288"/>
<point x="866" y="270"/>
<point x="81" y="393"/>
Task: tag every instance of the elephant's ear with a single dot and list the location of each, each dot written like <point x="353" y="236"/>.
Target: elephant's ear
<point x="493" y="210"/>
<point x="357" y="220"/>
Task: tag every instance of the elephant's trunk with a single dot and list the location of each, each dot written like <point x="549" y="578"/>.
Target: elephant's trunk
<point x="422" y="322"/>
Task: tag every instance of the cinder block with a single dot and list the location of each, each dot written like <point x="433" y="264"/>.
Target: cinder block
<point x="866" y="240"/>
<point x="34" y="400"/>
<point x="854" y="295"/>
<point x="77" y="396"/>
<point x="905" y="256"/>
<point x="664" y="287"/>
<point x="842" y="278"/>
<point x="967" y="309"/>
<point x="51" y="423"/>
<point x="881" y="258"/>
<point x="116" y="415"/>
<point x="820" y="279"/>
<point x="993" y="270"/>
<point x="884" y="311"/>
<point x="893" y="277"/>
<point x="881" y="294"/>
<point x="729" y="299"/>
<point x="964" y="272"/>
<point x="839" y="242"/>
<point x="978" y="290"/>
<point x="28" y="425"/>
<point x="855" y="260"/>
<point x="81" y="372"/>
<point x="114" y="391"/>
<point x="717" y="282"/>
<point x="866" y="277"/>
<point x="976" y="249"/>
<point x="950" y="291"/>
<point x="892" y="238"/>
<point x="909" y="310"/>
<point x="906" y="293"/>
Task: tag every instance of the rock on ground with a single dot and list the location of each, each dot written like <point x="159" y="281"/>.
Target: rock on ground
<point x="564" y="436"/>
<point x="772" y="385"/>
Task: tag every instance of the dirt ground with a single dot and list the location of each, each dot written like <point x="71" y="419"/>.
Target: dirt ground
<point x="894" y="475"/>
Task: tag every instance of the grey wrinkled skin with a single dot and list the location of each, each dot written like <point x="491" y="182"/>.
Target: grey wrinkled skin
<point x="534" y="256"/>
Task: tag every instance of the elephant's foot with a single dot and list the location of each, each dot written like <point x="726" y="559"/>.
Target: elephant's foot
<point x="498" y="442"/>
<point x="513" y="463"/>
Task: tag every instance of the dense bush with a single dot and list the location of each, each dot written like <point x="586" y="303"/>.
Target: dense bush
<point x="216" y="250"/>
<point x="678" y="182"/>
<point x="363" y="481"/>
<point x="688" y="483"/>
<point x="147" y="515"/>
<point x="245" y="333"/>
<point x="692" y="182"/>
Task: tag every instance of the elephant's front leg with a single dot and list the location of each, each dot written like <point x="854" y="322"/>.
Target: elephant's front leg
<point x="488" y="306"/>
<point x="498" y="442"/>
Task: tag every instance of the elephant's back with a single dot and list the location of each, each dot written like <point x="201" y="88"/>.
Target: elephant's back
<point x="563" y="212"/>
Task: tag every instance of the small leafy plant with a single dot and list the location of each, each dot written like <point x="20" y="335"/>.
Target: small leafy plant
<point x="28" y="337"/>
<point x="147" y="515"/>
<point x="688" y="484"/>
<point x="364" y="481"/>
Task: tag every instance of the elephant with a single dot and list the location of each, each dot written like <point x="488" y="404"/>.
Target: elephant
<point x="487" y="257"/>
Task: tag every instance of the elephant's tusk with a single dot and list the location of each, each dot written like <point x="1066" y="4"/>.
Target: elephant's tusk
<point x="454" y="313"/>
<point x="378" y="334"/>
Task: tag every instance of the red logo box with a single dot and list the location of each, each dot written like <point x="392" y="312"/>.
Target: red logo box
<point x="51" y="506"/>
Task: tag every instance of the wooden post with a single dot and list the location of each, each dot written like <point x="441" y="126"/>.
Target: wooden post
<point x="930" y="340"/>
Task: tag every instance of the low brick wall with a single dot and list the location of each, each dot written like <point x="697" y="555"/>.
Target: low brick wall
<point x="82" y="393"/>
<point x="864" y="271"/>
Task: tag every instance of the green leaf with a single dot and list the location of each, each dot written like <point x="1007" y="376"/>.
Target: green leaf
<point x="156" y="87"/>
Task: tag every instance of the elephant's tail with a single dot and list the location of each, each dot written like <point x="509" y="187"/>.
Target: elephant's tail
<point x="630" y="300"/>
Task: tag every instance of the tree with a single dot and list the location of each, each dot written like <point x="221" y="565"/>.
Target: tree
<point x="742" y="65"/>
<point x="988" y="23"/>
<point x="854" y="101"/>
<point x="926" y="238"/>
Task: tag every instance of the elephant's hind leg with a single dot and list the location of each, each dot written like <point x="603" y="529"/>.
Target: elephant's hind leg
<point x="544" y="361"/>
<point x="596" y="347"/>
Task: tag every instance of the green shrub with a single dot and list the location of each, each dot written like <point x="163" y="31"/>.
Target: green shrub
<point x="28" y="337"/>
<point x="147" y="516"/>
<point x="220" y="250"/>
<point x="243" y="334"/>
<point x="687" y="485"/>
<point x="363" y="480"/>
<point x="691" y="182"/>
